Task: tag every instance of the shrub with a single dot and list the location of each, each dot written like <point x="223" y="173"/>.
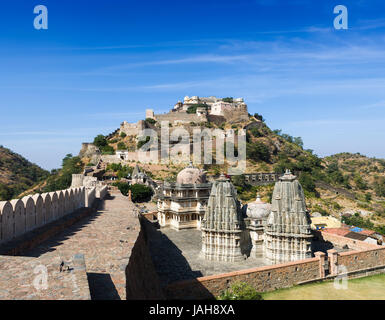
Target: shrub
<point x="62" y="179"/>
<point x="139" y="192"/>
<point x="123" y="135"/>
<point x="259" y="117"/>
<point x="150" y="120"/>
<point x="100" y="141"/>
<point x="360" y="183"/>
<point x="307" y="182"/>
<point x="257" y="151"/>
<point x="379" y="186"/>
<point x="240" y="291"/>
<point x="107" y="150"/>
<point x="122" y="146"/>
<point x="228" y="99"/>
<point x="141" y="143"/>
<point x="255" y="132"/>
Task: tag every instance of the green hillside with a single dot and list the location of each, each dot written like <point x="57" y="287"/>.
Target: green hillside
<point x="17" y="174"/>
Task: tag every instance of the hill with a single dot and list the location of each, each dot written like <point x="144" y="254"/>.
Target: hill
<point x="333" y="185"/>
<point x="17" y="174"/>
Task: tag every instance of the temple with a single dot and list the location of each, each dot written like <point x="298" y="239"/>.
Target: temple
<point x="287" y="233"/>
<point x="182" y="205"/>
<point x="223" y="232"/>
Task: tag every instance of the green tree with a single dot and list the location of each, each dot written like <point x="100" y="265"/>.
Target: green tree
<point x="62" y="178"/>
<point x="379" y="186"/>
<point x="307" y="182"/>
<point x="257" y="151"/>
<point x="6" y="192"/>
<point x="122" y="146"/>
<point x="100" y="141"/>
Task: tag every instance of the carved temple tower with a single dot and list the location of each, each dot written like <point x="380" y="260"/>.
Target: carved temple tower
<point x="223" y="235"/>
<point x="287" y="232"/>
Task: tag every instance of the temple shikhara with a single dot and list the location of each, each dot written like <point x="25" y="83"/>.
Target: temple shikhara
<point x="287" y="233"/>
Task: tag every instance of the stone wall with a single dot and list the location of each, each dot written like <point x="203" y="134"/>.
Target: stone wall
<point x="132" y="129"/>
<point x="20" y="216"/>
<point x="142" y="282"/>
<point x="352" y="264"/>
<point x="181" y="116"/>
<point x="342" y="241"/>
<point x="367" y="261"/>
<point x="130" y="156"/>
<point x="236" y="114"/>
<point x="262" y="279"/>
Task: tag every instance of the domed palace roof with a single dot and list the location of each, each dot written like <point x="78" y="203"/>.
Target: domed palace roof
<point x="258" y="209"/>
<point x="191" y="175"/>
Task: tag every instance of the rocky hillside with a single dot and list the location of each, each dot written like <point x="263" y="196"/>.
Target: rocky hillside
<point x="17" y="174"/>
<point x="333" y="185"/>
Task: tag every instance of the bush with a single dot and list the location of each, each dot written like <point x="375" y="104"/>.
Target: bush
<point x="107" y="150"/>
<point x="379" y="186"/>
<point x="141" y="143"/>
<point x="240" y="291"/>
<point x="62" y="179"/>
<point x="139" y="192"/>
<point x="358" y="221"/>
<point x="255" y="132"/>
<point x="228" y="99"/>
<point x="122" y="146"/>
<point x="100" y="141"/>
<point x="360" y="183"/>
<point x="123" y="135"/>
<point x="258" y="151"/>
<point x="150" y="120"/>
<point x="307" y="182"/>
<point x="259" y="117"/>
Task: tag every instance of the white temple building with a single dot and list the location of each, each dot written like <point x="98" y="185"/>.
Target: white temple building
<point x="182" y="205"/>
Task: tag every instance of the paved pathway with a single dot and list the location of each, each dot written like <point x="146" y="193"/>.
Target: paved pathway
<point x="105" y="238"/>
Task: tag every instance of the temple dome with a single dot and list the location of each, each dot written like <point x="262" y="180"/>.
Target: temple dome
<point x="258" y="209"/>
<point x="191" y="175"/>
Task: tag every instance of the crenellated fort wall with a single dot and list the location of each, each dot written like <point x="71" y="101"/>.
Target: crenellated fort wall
<point x="20" y="216"/>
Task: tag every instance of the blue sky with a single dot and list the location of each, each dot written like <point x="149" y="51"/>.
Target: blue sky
<point x="103" y="62"/>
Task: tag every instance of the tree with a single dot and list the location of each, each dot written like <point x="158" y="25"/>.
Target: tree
<point x="63" y="178"/>
<point x="100" y="141"/>
<point x="259" y="117"/>
<point x="258" y="151"/>
<point x="122" y="146"/>
<point x="379" y="186"/>
<point x="139" y="192"/>
<point x="6" y="192"/>
<point x="360" y="183"/>
<point x="307" y="182"/>
<point x="123" y="135"/>
<point x="150" y="120"/>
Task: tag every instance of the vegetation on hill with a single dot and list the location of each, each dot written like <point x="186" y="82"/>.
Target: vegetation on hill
<point x="17" y="174"/>
<point x="62" y="178"/>
<point x="139" y="192"/>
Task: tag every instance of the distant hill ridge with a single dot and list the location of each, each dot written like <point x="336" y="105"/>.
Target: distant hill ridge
<point x="17" y="174"/>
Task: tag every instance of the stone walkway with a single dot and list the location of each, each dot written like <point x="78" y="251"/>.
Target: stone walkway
<point x="105" y="238"/>
<point x="176" y="256"/>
